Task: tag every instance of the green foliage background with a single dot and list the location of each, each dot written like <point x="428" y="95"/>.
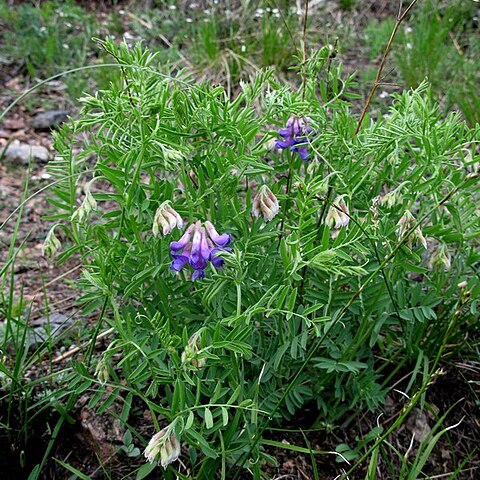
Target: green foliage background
<point x="300" y="313"/>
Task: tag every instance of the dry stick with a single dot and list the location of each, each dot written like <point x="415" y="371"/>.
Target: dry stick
<point x="304" y="83"/>
<point x="304" y="51"/>
<point x="451" y="474"/>
<point x="400" y="18"/>
<point x="86" y="344"/>
<point x="458" y="48"/>
<point x="39" y="290"/>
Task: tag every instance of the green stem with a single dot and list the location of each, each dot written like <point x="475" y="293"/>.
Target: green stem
<point x="287" y="203"/>
<point x="239" y="299"/>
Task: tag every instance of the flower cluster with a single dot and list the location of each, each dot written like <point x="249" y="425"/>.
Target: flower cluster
<point x="338" y="215"/>
<point x="198" y="246"/>
<point x="101" y="372"/>
<point x="166" y="219"/>
<point x="88" y="205"/>
<point x="405" y="225"/>
<point x="192" y="352"/>
<point x="266" y="204"/>
<point x="295" y="136"/>
<point x="440" y="259"/>
<point x="163" y="446"/>
<point x="51" y="244"/>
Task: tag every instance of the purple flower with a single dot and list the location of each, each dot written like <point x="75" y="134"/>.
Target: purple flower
<point x="295" y="135"/>
<point x="198" y="246"/>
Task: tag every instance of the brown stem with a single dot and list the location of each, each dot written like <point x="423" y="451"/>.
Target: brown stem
<point x="376" y="83"/>
<point x="285" y="24"/>
<point x="304" y="51"/>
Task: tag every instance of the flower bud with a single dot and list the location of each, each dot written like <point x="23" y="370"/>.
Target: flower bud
<point x="405" y="224"/>
<point x="374" y="210"/>
<point x="172" y="155"/>
<point x="51" y="244"/>
<point x="266" y="204"/>
<point x="101" y="372"/>
<point x="394" y="197"/>
<point x="166" y="219"/>
<point x="163" y="446"/>
<point x="192" y="352"/>
<point x="88" y="205"/>
<point x="390" y="199"/>
<point x="338" y="215"/>
<point x="440" y="259"/>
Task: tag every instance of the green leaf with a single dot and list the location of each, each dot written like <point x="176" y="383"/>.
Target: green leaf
<point x="200" y="442"/>
<point x="145" y="470"/>
<point x="235" y="395"/>
<point x="178" y="400"/>
<point x="413" y="268"/>
<point x="208" y="418"/>
<point x="127" y="405"/>
<point x="224" y="416"/>
<point x="78" y="473"/>
<point x="189" y="422"/>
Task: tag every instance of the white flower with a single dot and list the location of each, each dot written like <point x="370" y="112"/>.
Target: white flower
<point x="166" y="219"/>
<point x="266" y="204"/>
<point x="192" y="352"/>
<point x="390" y="199"/>
<point x="51" y="244"/>
<point x="405" y="224"/>
<point x="163" y="446"/>
<point x="101" y="372"/>
<point x="440" y="259"/>
<point x="88" y="205"/>
<point x="338" y="215"/>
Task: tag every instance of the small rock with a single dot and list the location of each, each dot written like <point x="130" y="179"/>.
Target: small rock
<point x="49" y="327"/>
<point x="49" y="120"/>
<point x="46" y="328"/>
<point x="22" y="154"/>
<point x="417" y="423"/>
<point x="103" y="432"/>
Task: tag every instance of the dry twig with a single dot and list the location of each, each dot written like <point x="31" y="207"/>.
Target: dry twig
<point x="400" y="17"/>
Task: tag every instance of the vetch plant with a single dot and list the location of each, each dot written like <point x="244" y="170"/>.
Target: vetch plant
<point x="198" y="246"/>
<point x="295" y="136"/>
<point x="409" y="229"/>
<point x="338" y="215"/>
<point x="314" y="288"/>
